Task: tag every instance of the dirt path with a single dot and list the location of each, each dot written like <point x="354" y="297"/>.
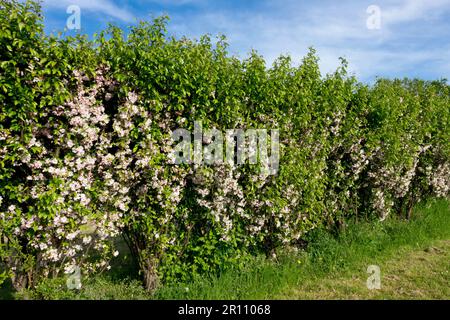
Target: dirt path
<point x="412" y="274"/>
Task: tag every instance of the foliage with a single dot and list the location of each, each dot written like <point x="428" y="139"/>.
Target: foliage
<point x="85" y="150"/>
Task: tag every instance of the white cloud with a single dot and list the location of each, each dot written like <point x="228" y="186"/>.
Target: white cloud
<point x="335" y="29"/>
<point x="177" y="2"/>
<point x="413" y="34"/>
<point x="410" y="10"/>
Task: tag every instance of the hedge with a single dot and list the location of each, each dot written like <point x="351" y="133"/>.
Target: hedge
<point x="85" y="150"/>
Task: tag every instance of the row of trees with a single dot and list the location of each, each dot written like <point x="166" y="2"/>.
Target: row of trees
<point x="85" y="143"/>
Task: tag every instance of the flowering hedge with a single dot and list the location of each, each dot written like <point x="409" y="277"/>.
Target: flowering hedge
<point x="85" y="150"/>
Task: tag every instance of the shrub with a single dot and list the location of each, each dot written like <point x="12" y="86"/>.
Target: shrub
<point x="86" y="150"/>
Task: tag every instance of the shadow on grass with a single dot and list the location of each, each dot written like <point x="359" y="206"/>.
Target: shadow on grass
<point x="6" y="291"/>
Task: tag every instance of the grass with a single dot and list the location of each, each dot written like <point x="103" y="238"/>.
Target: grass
<point x="413" y="257"/>
<point x="411" y="274"/>
<point x="334" y="259"/>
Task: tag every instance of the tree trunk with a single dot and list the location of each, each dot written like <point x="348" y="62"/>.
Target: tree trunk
<point x="410" y="209"/>
<point x="19" y="281"/>
<point x="149" y="267"/>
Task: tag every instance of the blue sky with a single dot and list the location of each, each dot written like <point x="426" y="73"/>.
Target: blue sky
<point x="413" y="38"/>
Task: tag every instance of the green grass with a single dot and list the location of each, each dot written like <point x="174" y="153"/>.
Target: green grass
<point x="413" y="257"/>
<point x="410" y="274"/>
<point x="345" y="254"/>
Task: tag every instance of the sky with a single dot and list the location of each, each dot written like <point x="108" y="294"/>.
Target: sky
<point x="394" y="39"/>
